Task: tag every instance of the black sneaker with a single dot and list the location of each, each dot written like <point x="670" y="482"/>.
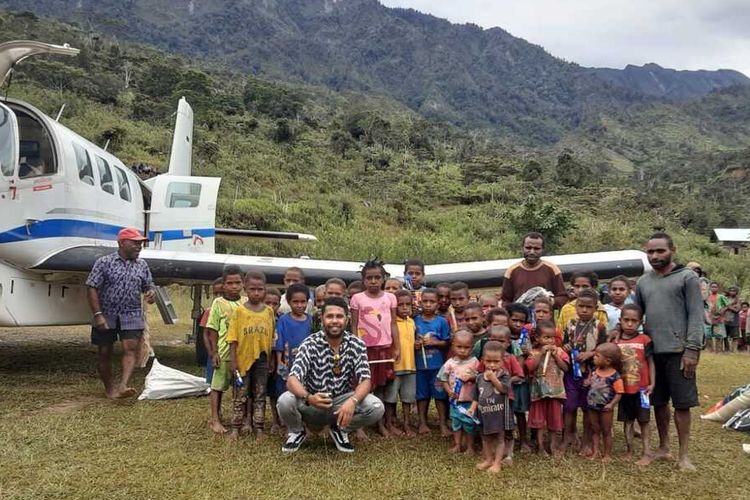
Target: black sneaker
<point x="293" y="441"/>
<point x="340" y="439"/>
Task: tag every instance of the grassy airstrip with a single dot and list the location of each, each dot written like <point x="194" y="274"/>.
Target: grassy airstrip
<point x="61" y="439"/>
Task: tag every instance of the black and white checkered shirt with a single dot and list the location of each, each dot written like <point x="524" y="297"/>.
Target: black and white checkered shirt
<point x="314" y="364"/>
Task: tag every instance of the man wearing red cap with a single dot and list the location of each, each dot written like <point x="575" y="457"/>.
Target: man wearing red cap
<point x="115" y="286"/>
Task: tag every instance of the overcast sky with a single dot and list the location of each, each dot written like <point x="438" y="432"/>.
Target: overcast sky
<point x="681" y="34"/>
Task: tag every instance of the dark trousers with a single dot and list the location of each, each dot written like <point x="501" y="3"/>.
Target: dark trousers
<point x="255" y="381"/>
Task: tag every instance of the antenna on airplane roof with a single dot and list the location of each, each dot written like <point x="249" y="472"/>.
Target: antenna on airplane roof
<point x="59" y="113"/>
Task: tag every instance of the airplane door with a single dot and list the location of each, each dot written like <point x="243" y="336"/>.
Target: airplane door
<point x="8" y="158"/>
<point x="183" y="213"/>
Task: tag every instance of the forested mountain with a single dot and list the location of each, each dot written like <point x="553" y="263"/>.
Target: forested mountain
<point x="458" y="73"/>
<point x="371" y="177"/>
<point x="653" y="80"/>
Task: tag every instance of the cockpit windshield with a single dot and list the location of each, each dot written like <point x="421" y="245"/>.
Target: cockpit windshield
<point x="35" y="156"/>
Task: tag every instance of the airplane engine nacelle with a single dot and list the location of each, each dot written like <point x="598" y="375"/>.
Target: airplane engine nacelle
<point x="26" y="299"/>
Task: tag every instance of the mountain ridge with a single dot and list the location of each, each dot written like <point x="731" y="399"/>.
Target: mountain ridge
<point x="461" y="73"/>
<point x="654" y="80"/>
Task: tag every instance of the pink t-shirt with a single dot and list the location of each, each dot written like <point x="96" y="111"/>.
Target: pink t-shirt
<point x="374" y="318"/>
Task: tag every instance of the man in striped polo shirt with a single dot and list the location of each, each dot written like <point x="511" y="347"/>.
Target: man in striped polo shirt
<point x="321" y="386"/>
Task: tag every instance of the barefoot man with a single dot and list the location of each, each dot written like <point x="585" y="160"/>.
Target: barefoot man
<point x="115" y="286"/>
<point x="670" y="297"/>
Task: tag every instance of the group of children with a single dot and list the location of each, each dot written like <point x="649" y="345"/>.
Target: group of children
<point x="504" y="378"/>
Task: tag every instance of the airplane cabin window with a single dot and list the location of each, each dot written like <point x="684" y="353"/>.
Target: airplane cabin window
<point x="183" y="195"/>
<point x="122" y="180"/>
<point x="7" y="148"/>
<point x="35" y="156"/>
<point x="85" y="169"/>
<point x="105" y="175"/>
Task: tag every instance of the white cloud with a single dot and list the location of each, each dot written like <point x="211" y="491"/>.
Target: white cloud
<point x="681" y="34"/>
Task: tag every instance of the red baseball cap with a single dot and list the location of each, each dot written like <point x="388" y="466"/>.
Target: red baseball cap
<point x="130" y="233"/>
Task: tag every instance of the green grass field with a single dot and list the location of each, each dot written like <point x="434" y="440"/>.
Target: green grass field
<point x="61" y="439"/>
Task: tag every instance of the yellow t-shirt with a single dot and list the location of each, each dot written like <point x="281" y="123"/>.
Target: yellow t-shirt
<point x="406" y="332"/>
<point x="253" y="333"/>
<point x="568" y="312"/>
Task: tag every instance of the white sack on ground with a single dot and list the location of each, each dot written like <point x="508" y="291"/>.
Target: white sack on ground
<point x="729" y="408"/>
<point x="163" y="382"/>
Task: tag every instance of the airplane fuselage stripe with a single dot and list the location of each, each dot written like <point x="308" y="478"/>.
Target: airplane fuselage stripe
<point x="60" y="228"/>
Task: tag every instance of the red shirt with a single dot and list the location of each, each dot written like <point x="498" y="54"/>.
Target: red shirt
<point x="635" y="353"/>
<point x="513" y="367"/>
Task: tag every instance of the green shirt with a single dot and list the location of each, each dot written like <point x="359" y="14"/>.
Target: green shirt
<point x="218" y="320"/>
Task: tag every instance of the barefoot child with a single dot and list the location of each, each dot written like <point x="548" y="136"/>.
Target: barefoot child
<point x="414" y="280"/>
<point x="517" y="375"/>
<point x="543" y="312"/>
<point x="444" y="299"/>
<point x="458" y="376"/>
<point x="578" y="283"/>
<point x="392" y="285"/>
<point x="474" y="320"/>
<point x="294" y="275"/>
<point x="638" y="377"/>
<point x="605" y="391"/>
<point x="432" y="337"/>
<point x="216" y="291"/>
<point x="488" y="301"/>
<point x="374" y="321"/>
<point x="619" y="291"/>
<point x="250" y="335"/>
<point x="405" y="384"/>
<point x="335" y="287"/>
<point x="459" y="300"/>
<point x="493" y="333"/>
<point x="222" y="309"/>
<point x="273" y="299"/>
<point x="582" y="335"/>
<point x="547" y="364"/>
<point x="520" y="348"/>
<point x="291" y="329"/>
<point x="491" y="404"/>
<point x="497" y="316"/>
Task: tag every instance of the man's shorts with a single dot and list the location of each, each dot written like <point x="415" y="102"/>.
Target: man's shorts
<point x="521" y="398"/>
<point x="404" y="387"/>
<point x="427" y="388"/>
<point x="461" y="422"/>
<point x="672" y="384"/>
<point x="222" y="379"/>
<point x="629" y="409"/>
<point x="108" y="337"/>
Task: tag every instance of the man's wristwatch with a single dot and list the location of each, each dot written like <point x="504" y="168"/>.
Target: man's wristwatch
<point x="356" y="401"/>
<point x="98" y="313"/>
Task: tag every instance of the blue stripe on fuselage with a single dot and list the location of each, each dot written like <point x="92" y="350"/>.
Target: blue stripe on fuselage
<point x="61" y="228"/>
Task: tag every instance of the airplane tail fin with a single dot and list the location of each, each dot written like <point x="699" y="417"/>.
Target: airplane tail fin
<point x="180" y="160"/>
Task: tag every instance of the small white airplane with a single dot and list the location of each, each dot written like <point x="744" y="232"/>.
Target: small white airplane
<point x="63" y="199"/>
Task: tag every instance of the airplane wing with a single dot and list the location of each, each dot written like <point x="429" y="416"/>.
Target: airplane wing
<point x="190" y="268"/>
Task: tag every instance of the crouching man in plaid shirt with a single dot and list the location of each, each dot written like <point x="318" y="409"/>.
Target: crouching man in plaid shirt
<point x="321" y="384"/>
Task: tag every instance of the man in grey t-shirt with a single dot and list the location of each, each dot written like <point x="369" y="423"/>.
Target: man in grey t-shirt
<point x="671" y="300"/>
